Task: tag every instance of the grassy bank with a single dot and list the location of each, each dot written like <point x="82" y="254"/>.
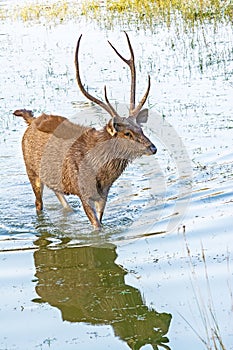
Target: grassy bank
<point x="57" y="11"/>
<point x="150" y="12"/>
<point x="109" y="12"/>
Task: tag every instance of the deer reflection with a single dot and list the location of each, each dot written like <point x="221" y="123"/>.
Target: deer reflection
<point x="86" y="285"/>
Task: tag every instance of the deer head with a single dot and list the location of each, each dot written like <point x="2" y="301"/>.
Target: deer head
<point x="131" y="127"/>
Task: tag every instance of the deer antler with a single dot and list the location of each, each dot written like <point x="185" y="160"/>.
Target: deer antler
<point x="130" y="62"/>
<point x="107" y="106"/>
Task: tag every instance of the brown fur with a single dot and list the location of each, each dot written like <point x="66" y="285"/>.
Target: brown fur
<point x="79" y="160"/>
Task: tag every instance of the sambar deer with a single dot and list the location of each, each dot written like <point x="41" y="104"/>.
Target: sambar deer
<point x="74" y="159"/>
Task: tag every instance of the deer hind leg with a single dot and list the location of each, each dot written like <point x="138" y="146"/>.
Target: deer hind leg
<point x="37" y="187"/>
<point x="63" y="201"/>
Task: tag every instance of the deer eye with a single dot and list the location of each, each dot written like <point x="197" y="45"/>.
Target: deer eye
<point x="127" y="134"/>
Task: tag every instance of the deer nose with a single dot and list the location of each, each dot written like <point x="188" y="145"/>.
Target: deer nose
<point x="153" y="149"/>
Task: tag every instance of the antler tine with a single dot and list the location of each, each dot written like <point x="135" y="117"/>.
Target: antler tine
<point x="131" y="64"/>
<point x="143" y="100"/>
<point x="108" y="107"/>
<point x="108" y="103"/>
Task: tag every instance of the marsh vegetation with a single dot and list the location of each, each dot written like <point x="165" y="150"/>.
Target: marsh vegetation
<point x="108" y="13"/>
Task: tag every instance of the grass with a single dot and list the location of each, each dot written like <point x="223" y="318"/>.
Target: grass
<point x="36" y="11"/>
<point x="212" y="340"/>
<point x="57" y="11"/>
<point x="145" y="13"/>
<point x="150" y="12"/>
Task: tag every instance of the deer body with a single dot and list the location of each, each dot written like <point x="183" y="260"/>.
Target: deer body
<point x="79" y="160"/>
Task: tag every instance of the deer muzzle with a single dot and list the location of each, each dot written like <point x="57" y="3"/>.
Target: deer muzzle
<point x="151" y="149"/>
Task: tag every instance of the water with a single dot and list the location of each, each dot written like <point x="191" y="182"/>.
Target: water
<point x="133" y="284"/>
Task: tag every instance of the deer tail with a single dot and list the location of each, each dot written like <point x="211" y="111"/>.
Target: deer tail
<point x="26" y="114"/>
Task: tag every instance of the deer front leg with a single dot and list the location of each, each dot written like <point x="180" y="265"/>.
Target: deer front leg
<point x="100" y="205"/>
<point x="101" y="201"/>
<point x="90" y="210"/>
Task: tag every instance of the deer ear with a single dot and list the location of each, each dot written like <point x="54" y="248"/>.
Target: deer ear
<point x="142" y="116"/>
<point x="112" y="127"/>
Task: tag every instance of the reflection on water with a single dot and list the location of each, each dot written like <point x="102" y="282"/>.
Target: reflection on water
<point x="86" y="285"/>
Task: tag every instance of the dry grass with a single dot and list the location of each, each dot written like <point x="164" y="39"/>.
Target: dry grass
<point x="57" y="11"/>
<point x="150" y="12"/>
<point x="146" y="13"/>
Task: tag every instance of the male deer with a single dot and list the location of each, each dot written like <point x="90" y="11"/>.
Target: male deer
<point x="79" y="160"/>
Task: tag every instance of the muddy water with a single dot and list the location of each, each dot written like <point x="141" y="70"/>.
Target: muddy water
<point x="133" y="284"/>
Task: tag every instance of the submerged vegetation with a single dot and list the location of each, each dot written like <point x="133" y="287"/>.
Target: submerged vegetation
<point x="109" y="12"/>
<point x="212" y="338"/>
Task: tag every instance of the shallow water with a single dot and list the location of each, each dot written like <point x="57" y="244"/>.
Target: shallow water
<point x="132" y="284"/>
